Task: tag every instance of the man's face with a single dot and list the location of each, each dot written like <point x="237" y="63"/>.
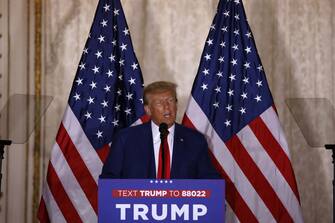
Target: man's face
<point x="162" y="107"/>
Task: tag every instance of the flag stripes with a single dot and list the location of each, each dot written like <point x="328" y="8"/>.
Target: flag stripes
<point x="249" y="171"/>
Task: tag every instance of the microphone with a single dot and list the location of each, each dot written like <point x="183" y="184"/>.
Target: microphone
<point x="163" y="129"/>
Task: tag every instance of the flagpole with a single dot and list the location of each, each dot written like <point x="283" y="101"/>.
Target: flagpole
<point x="332" y="148"/>
<point x="3" y="143"/>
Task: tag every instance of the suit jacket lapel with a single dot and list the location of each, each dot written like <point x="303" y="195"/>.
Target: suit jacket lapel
<point x="149" y="148"/>
<point x="178" y="152"/>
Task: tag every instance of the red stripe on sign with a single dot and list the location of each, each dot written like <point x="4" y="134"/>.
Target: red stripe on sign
<point x="63" y="201"/>
<point x="257" y="179"/>
<point x="275" y="151"/>
<point x="233" y="197"/>
<point x="78" y="167"/>
<point x="42" y="213"/>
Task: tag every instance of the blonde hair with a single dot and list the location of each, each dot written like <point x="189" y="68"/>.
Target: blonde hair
<point x="157" y="87"/>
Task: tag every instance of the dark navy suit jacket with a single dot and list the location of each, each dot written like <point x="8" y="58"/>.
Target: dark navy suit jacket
<point x="132" y="155"/>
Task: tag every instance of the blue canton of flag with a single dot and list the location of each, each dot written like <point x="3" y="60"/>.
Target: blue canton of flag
<point x="230" y="74"/>
<point x="107" y="91"/>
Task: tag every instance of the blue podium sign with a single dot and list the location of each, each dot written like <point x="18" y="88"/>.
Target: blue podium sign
<point x="130" y="200"/>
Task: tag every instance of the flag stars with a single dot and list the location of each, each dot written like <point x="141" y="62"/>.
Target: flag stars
<point x="109" y="73"/>
<point x="217" y="89"/>
<point x="111" y="58"/>
<point x="204" y="86"/>
<point x="247" y="50"/>
<point x="132" y="81"/>
<point x="115" y="27"/>
<point x="232" y="77"/>
<point x="77" y="96"/>
<point x="258" y="98"/>
<point x="219" y="74"/>
<point x="116" y="12"/>
<point x="245" y="80"/>
<point x="102" y="119"/>
<point x="235" y="47"/>
<point x="104" y="23"/>
<point x="107" y="7"/>
<point x="107" y="88"/>
<point x="216" y="105"/>
<point x="82" y="66"/>
<point x="221" y="59"/>
<point x="237" y="17"/>
<point x="95" y="69"/>
<point x="79" y="81"/>
<point x="242" y="110"/>
<point x="129" y="96"/>
<point x="230" y="92"/>
<point x="229" y="108"/>
<point x="246" y="65"/>
<point x="99" y="134"/>
<point x="119" y="92"/>
<point x="104" y="104"/>
<point x="123" y="46"/>
<point x="248" y="34"/>
<point x="237" y="2"/>
<point x="260" y="68"/>
<point x="224" y="29"/>
<point x="114" y="42"/>
<point x="121" y="62"/>
<point x="101" y="39"/>
<point x="93" y="85"/>
<point x="90" y="100"/>
<point x="115" y="122"/>
<point x="85" y="51"/>
<point x="88" y="115"/>
<point x="227" y="123"/>
<point x="126" y="31"/>
<point x="209" y="42"/>
<point x="134" y="66"/>
<point x="128" y="111"/>
<point x="223" y="44"/>
<point x="207" y="57"/>
<point x="237" y="32"/>
<point x="259" y="83"/>
<point x="117" y="107"/>
<point x="212" y="27"/>
<point x="98" y="54"/>
<point x="120" y="77"/>
<point x="233" y="62"/>
<point x="205" y="71"/>
<point x="244" y="95"/>
<point x="226" y="13"/>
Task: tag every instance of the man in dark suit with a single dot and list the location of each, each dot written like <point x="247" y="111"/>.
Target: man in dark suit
<point x="136" y="152"/>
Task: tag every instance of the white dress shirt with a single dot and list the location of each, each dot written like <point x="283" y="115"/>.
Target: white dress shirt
<point x="157" y="142"/>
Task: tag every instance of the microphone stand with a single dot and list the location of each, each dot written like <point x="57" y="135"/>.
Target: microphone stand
<point x="3" y="143"/>
<point x="332" y="148"/>
<point x="163" y="129"/>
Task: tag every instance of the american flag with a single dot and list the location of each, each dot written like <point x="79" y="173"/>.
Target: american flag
<point x="106" y="95"/>
<point x="232" y="105"/>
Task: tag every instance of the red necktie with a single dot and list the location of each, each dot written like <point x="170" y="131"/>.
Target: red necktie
<point x="166" y="161"/>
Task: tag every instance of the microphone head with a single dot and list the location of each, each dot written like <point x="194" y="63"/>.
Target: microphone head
<point x="163" y="129"/>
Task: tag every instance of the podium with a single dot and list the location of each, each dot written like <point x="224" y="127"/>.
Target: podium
<point x="144" y="200"/>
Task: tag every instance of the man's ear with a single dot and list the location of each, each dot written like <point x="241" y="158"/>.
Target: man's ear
<point x="147" y="110"/>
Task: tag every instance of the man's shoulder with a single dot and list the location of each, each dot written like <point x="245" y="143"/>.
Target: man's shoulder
<point x="135" y="129"/>
<point x="188" y="131"/>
